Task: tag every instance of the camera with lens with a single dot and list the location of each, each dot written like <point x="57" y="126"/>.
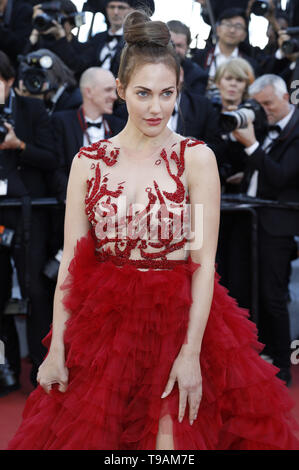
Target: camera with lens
<point x="260" y="7"/>
<point x="249" y="111"/>
<point x="291" y="45"/>
<point x="35" y="71"/>
<point x="52" y="12"/>
<point x="4" y="117"/>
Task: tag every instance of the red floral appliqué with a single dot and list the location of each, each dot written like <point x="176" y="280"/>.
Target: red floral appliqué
<point x="101" y="206"/>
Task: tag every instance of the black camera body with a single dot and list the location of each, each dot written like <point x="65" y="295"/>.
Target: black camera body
<point x="260" y="7"/>
<point x="35" y="71"/>
<point x="52" y="12"/>
<point x="291" y="46"/>
<point x="4" y="117"/>
<point x="249" y="111"/>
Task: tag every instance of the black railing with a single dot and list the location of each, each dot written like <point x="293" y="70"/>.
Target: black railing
<point x="229" y="203"/>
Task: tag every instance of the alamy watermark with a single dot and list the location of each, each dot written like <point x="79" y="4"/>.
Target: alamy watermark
<point x="156" y="223"/>
<point x="294" y="95"/>
<point x="295" y="354"/>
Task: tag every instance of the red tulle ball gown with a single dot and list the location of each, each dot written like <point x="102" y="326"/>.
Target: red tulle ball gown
<point x="128" y="320"/>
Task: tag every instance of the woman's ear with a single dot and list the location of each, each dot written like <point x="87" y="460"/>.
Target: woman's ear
<point x="120" y="90"/>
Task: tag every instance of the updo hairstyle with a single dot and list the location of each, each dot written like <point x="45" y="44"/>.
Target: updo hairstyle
<point x="147" y="42"/>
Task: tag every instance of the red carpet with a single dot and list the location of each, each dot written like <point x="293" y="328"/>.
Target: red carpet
<point x="12" y="405"/>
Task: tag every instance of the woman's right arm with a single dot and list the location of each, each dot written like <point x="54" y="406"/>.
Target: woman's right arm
<point x="76" y="225"/>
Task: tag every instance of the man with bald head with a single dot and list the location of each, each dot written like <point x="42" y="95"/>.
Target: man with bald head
<point x="88" y="124"/>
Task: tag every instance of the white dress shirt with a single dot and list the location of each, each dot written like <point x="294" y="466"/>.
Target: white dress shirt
<point x="173" y="121"/>
<point x="252" y="188"/>
<point x="109" y="50"/>
<point x="220" y="58"/>
<point x="93" y="133"/>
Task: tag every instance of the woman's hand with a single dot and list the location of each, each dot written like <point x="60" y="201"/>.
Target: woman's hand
<point x="186" y="371"/>
<point x="52" y="371"/>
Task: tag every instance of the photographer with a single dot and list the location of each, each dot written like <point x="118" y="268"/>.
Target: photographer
<point x="26" y="154"/>
<point x="232" y="30"/>
<point x="233" y="79"/>
<point x="53" y="23"/>
<point x="103" y="49"/>
<point x="43" y="75"/>
<point x="272" y="172"/>
<point x="15" y="27"/>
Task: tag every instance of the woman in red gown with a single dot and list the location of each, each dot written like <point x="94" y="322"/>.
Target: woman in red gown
<point x="147" y="350"/>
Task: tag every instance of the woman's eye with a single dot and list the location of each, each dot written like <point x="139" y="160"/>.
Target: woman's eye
<point x="168" y="93"/>
<point x="142" y="93"/>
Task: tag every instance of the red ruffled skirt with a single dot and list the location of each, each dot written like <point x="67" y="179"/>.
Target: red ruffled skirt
<point x="125" y="329"/>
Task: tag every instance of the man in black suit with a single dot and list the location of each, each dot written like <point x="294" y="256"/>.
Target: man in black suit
<point x="195" y="78"/>
<point x="194" y="116"/>
<point x="26" y="155"/>
<point x="232" y="30"/>
<point x="89" y="123"/>
<point x="273" y="173"/>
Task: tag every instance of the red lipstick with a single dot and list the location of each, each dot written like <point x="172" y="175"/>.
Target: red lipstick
<point x="153" y="122"/>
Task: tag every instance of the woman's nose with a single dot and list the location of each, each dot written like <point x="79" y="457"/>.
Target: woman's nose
<point x="155" y="106"/>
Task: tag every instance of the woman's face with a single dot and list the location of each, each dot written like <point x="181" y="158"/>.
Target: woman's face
<point x="150" y="97"/>
<point x="231" y="88"/>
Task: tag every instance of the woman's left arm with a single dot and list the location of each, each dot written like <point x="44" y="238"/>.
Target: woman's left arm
<point x="204" y="190"/>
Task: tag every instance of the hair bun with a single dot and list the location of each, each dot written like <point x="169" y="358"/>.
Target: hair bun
<point x="140" y="30"/>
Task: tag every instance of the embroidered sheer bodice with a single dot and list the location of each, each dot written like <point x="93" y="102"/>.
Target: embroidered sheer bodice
<point x="139" y="209"/>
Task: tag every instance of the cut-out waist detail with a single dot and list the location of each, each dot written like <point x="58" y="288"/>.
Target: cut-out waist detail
<point x="142" y="264"/>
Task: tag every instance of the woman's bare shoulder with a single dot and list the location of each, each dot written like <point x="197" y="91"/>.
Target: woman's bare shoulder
<point x="198" y="154"/>
<point x="200" y="164"/>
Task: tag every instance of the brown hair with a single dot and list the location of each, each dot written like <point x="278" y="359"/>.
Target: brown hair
<point x="147" y="41"/>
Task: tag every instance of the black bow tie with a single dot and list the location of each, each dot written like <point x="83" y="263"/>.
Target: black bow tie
<point x="114" y="36"/>
<point x="94" y="124"/>
<point x="274" y="128"/>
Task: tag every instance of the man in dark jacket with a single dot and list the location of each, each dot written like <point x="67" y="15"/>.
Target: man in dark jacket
<point x="196" y="117"/>
<point x="232" y="30"/>
<point x="273" y="174"/>
<point x="26" y="155"/>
